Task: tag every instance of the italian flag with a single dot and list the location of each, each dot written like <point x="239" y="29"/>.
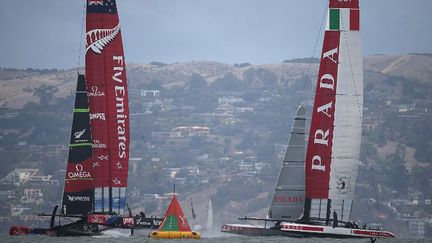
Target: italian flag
<point x="343" y="19"/>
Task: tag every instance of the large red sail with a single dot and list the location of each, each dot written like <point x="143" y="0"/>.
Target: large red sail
<point x="109" y="112"/>
<point x="334" y="139"/>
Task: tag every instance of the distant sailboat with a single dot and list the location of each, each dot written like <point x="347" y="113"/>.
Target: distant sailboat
<point x="209" y="225"/>
<point x="196" y="226"/>
<point x="333" y="150"/>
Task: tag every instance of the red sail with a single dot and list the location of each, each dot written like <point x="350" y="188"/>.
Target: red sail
<point x="319" y="150"/>
<point x="109" y="112"/>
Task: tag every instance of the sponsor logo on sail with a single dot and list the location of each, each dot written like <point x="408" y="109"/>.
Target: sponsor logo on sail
<point x="77" y="136"/>
<point x="97" y="39"/>
<point x="97" y="116"/>
<point x="95" y="92"/>
<point x="79" y="173"/>
<point x="78" y="198"/>
<point x="120" y="101"/>
<point x="98" y="144"/>
<point x="323" y="131"/>
<point x="343" y="185"/>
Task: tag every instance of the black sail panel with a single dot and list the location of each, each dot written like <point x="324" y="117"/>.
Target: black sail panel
<point x="78" y="196"/>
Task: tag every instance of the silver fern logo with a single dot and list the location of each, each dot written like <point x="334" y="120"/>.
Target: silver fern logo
<point x="97" y="39"/>
<point x="79" y="133"/>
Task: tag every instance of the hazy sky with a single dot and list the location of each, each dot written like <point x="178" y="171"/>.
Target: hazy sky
<point x="46" y="33"/>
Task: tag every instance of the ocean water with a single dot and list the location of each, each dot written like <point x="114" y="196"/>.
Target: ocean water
<point x="225" y="239"/>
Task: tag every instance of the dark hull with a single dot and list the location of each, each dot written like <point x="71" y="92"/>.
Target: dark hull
<point x="78" y="228"/>
<point x="82" y="228"/>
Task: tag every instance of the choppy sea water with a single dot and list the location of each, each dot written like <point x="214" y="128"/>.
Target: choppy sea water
<point x="224" y="239"/>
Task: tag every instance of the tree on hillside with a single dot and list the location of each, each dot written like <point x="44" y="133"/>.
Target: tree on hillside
<point x="229" y="82"/>
<point x="45" y="93"/>
<point x="154" y="85"/>
<point x="396" y="172"/>
<point x="260" y="77"/>
<point x="197" y="82"/>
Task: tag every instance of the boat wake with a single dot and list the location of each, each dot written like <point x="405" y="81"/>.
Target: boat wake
<point x="114" y="233"/>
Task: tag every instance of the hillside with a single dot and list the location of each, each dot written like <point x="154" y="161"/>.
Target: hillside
<point x="18" y="86"/>
<point x="248" y="111"/>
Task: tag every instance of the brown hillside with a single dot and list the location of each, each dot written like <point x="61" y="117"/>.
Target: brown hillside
<point x="17" y="86"/>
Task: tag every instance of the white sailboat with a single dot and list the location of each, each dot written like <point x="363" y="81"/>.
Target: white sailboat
<point x="333" y="149"/>
<point x="209" y="225"/>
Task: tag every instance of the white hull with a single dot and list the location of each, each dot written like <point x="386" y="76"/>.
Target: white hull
<point x="255" y="230"/>
<point x="304" y="231"/>
<point x="336" y="232"/>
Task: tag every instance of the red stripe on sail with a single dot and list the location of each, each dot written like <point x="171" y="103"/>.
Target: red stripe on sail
<point x="354" y="19"/>
<point x="344" y="3"/>
<point x="319" y="150"/>
<point x="106" y="73"/>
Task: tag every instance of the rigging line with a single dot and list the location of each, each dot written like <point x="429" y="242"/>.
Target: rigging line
<point x="81" y="36"/>
<point x="316" y="44"/>
<point x="309" y="67"/>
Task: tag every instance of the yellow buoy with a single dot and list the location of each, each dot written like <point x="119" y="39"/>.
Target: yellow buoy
<point x="175" y="235"/>
<point x="174" y="225"/>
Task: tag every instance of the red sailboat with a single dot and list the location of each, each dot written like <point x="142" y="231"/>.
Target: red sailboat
<point x="97" y="166"/>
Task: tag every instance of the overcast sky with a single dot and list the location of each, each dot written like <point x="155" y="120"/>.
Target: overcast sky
<point x="46" y="33"/>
